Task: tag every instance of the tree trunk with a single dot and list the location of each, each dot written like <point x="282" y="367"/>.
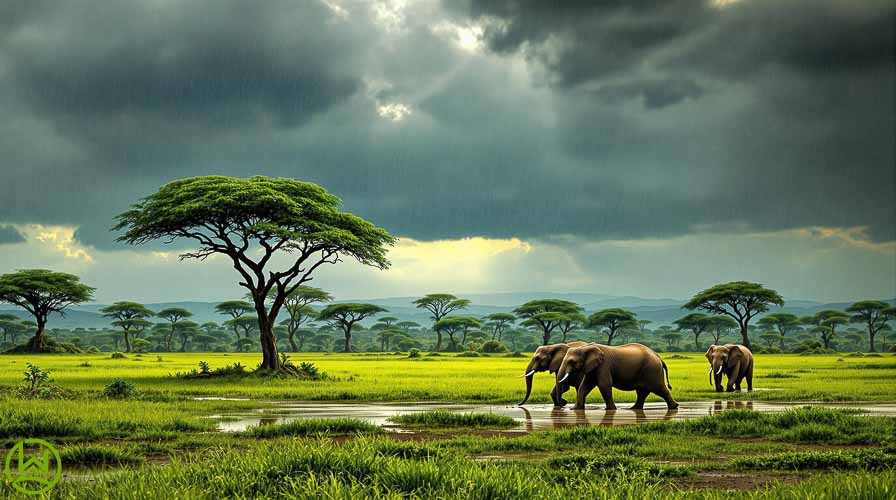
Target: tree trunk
<point x="697" y="341"/>
<point x="348" y="341"/>
<point x="871" y="337"/>
<point x="269" y="357"/>
<point x="744" y="335"/>
<point x="438" y="341"/>
<point x="38" y="344"/>
<point x="546" y="338"/>
<point x="292" y="341"/>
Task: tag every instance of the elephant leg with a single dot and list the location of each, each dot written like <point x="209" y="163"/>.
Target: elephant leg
<point x="582" y="393"/>
<point x="557" y="396"/>
<point x="664" y="393"/>
<point x="750" y="377"/>
<point x="642" y="396"/>
<point x="606" y="392"/>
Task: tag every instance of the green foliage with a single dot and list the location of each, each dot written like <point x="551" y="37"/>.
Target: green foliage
<point x="120" y="389"/>
<point x="446" y="418"/>
<point x="98" y="455"/>
<point x="117" y="355"/>
<point x="313" y="426"/>
<point x="36" y="383"/>
<point x="414" y="353"/>
<point x="492" y="346"/>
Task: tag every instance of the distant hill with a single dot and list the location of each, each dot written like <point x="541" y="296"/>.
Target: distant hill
<point x="659" y="311"/>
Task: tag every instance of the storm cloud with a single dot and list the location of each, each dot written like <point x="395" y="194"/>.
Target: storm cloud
<point x="600" y="120"/>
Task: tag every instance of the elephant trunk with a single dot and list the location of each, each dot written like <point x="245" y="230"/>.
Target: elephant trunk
<point x="529" y="378"/>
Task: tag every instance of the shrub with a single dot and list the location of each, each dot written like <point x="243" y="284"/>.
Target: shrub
<point x="414" y="353"/>
<point x="769" y="350"/>
<point x="492" y="346"/>
<point x="203" y="368"/>
<point x="119" y="389"/>
<point x="117" y="355"/>
<point x="36" y="384"/>
<point x="468" y="354"/>
<point x="310" y="371"/>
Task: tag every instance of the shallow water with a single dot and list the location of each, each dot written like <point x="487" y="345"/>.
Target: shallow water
<point x="532" y="417"/>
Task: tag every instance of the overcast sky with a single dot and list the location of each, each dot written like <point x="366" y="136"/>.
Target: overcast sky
<point x="640" y="147"/>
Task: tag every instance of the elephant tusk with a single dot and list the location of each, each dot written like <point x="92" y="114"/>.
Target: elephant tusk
<point x="710" y="371"/>
<point x="719" y="370"/>
<point x="562" y="379"/>
<point x="527" y="374"/>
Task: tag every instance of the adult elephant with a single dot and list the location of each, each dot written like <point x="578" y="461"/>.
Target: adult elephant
<point x="629" y="367"/>
<point x="733" y="361"/>
<point x="548" y="358"/>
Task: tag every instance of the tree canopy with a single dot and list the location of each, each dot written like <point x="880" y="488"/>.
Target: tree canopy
<point x="696" y="323"/>
<point x="782" y="322"/>
<point x="250" y="221"/>
<point x="128" y="316"/>
<point x="740" y="300"/>
<point x="440" y="305"/>
<point x="452" y="325"/>
<point x="874" y="314"/>
<point x="345" y="316"/>
<point x="611" y="320"/>
<point x="546" y="314"/>
<point x="41" y="292"/>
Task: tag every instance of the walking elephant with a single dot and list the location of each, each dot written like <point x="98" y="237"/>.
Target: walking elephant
<point x="548" y="358"/>
<point x="732" y="360"/>
<point x="629" y="367"/>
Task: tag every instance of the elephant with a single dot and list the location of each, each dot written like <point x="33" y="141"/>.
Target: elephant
<point x="548" y="358"/>
<point x="629" y="367"/>
<point x="733" y="360"/>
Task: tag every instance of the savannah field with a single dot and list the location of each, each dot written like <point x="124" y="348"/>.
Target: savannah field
<point x="157" y="442"/>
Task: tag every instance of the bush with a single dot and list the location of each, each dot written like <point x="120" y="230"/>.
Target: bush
<point x="492" y="346"/>
<point x="414" y="353"/>
<point x="119" y="389"/>
<point x="515" y="354"/>
<point x="36" y="384"/>
<point x="51" y="346"/>
<point x="769" y="350"/>
<point x="468" y="354"/>
<point x="117" y="355"/>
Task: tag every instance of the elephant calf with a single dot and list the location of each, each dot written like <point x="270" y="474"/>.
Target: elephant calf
<point x="548" y="358"/>
<point x="630" y="367"/>
<point x="732" y="360"/>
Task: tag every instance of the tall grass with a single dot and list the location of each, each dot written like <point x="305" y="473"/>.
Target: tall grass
<point x="313" y="426"/>
<point x="445" y="418"/>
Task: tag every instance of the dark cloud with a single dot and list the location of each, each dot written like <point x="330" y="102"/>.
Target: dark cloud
<point x="9" y="234"/>
<point x="660" y="118"/>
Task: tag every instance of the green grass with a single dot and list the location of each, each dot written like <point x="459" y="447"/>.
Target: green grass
<point x="836" y="459"/>
<point x="313" y="426"/>
<point x="98" y="455"/>
<point x="445" y="418"/>
<point x="389" y="377"/>
<point x="615" y="465"/>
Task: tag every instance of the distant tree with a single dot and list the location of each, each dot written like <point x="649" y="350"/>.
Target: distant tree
<point x="344" y="316"/>
<point x="440" y="305"/>
<point x="6" y="322"/>
<point x="781" y="322"/>
<point x="874" y="314"/>
<point x="611" y="321"/>
<point x="825" y="323"/>
<point x="452" y="325"/>
<point x="513" y="335"/>
<point x="234" y="309"/>
<point x="298" y="306"/>
<point x="719" y="326"/>
<point x="570" y="322"/>
<point x="407" y="325"/>
<point x="41" y="292"/>
<point x="771" y="337"/>
<point x="250" y="221"/>
<point x="384" y="322"/>
<point x="386" y="336"/>
<point x="243" y="344"/>
<point x="210" y="327"/>
<point x="139" y="345"/>
<point x="497" y="323"/>
<point x="671" y="337"/>
<point x="173" y="315"/>
<point x="186" y="330"/>
<point x="546" y="314"/>
<point x="740" y="300"/>
<point x="642" y="327"/>
<point x="12" y="329"/>
<point x="127" y="316"/>
<point x="696" y="323"/>
<point x="248" y="325"/>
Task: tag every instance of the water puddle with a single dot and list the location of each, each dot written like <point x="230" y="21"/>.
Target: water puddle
<point x="532" y="417"/>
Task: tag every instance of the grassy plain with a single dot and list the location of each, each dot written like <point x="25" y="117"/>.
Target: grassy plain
<point x="156" y="444"/>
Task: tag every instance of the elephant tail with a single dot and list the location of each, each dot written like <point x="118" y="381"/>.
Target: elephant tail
<point x="666" y="369"/>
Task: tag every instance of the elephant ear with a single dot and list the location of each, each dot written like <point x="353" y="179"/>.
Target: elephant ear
<point x="734" y="354"/>
<point x="709" y="352"/>
<point x="593" y="358"/>
<point x="557" y="358"/>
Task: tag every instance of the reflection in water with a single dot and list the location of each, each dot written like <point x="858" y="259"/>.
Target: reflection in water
<point x="533" y="417"/>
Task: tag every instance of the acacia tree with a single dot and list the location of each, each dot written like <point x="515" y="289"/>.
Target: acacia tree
<point x="344" y="316"/>
<point x="128" y="316"/>
<point x="874" y="314"/>
<point x="826" y="323"/>
<point x="250" y="221"/>
<point x="235" y="309"/>
<point x="546" y="314"/>
<point x="740" y="300"/>
<point x="781" y="322"/>
<point x="611" y="320"/>
<point x="697" y="323"/>
<point x="173" y="315"/>
<point x="440" y="305"/>
<point x="298" y="307"/>
<point x="41" y="292"/>
<point x="246" y="324"/>
<point x="570" y="322"/>
<point x="452" y="325"/>
<point x="719" y="326"/>
<point x="498" y="322"/>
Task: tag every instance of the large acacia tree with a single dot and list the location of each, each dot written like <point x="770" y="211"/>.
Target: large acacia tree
<point x="696" y="323"/>
<point x="874" y="314"/>
<point x="740" y="300"/>
<point x="250" y="221"/>
<point x="452" y="325"/>
<point x="783" y="323"/>
<point x="41" y="292"/>
<point x="298" y="306"/>
<point x="612" y="321"/>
